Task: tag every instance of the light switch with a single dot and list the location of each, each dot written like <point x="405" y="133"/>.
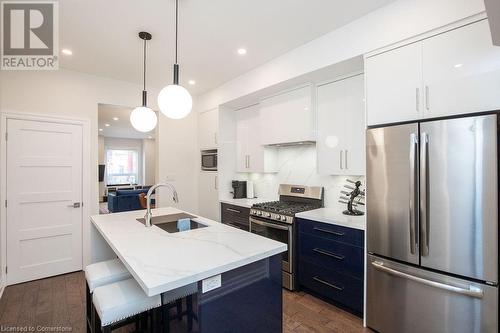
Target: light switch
<point x="211" y="283"/>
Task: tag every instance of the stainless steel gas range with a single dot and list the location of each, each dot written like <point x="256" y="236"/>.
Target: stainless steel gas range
<point x="276" y="220"/>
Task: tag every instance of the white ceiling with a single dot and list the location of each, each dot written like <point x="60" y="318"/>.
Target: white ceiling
<point x="104" y="41"/>
<point x="120" y="128"/>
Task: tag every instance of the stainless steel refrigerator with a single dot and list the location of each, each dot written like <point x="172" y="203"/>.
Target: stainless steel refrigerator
<point x="432" y="226"/>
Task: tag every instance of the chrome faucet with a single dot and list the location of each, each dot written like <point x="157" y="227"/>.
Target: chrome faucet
<point x="149" y="215"/>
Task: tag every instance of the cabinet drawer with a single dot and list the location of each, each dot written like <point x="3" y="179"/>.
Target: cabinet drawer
<point x="235" y="216"/>
<point x="333" y="232"/>
<point x="343" y="258"/>
<point x="337" y="287"/>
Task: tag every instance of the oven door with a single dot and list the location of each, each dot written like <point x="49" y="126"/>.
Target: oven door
<point x="278" y="232"/>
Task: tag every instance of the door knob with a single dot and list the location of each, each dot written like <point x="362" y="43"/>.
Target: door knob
<point x="75" y="205"/>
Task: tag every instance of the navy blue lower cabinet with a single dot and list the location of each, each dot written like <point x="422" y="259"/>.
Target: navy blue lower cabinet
<point x="249" y="300"/>
<point x="331" y="263"/>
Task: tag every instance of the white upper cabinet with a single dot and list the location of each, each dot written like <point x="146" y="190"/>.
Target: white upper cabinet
<point x="251" y="155"/>
<point x="394" y="85"/>
<point x="341" y="127"/>
<point x="288" y="117"/>
<point x="208" y="127"/>
<point x="448" y="74"/>
<point x="461" y="72"/>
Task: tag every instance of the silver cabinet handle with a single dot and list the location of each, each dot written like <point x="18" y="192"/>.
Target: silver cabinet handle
<point x="417" y="99"/>
<point x="341" y="164"/>
<point x="345" y="155"/>
<point x="329" y="254"/>
<point x="412" y="209"/>
<point x="424" y="193"/>
<point x="329" y="231"/>
<point x="233" y="225"/>
<point x="249" y="161"/>
<point x="233" y="210"/>
<point x="215" y="137"/>
<point x="215" y="182"/>
<point x="75" y="205"/>
<point x="269" y="225"/>
<point x="317" y="279"/>
<point x="472" y="291"/>
<point x="427" y="102"/>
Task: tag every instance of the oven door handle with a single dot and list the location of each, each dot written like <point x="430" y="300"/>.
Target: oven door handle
<point x="266" y="224"/>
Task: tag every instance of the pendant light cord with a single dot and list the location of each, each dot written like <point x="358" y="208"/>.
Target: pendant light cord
<point x="176" y="26"/>
<point x="144" y="67"/>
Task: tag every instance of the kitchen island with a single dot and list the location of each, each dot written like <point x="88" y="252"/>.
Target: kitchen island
<point x="238" y="274"/>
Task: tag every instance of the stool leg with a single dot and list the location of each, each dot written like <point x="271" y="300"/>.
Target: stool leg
<point x="96" y="322"/>
<point x="106" y="329"/>
<point x="156" y="320"/>
<point x="88" y="306"/>
<point x="178" y="304"/>
<point x="189" y="305"/>
<point x="165" y="318"/>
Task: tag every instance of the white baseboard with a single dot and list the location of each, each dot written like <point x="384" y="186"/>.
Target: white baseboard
<point x="2" y="287"/>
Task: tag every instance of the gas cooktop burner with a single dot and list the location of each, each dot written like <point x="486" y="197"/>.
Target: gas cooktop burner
<point x="293" y="199"/>
<point x="285" y="207"/>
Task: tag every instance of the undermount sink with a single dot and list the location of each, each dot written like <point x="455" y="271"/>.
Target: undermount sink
<point x="170" y="224"/>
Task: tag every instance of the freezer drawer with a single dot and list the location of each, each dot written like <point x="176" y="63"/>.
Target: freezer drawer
<point x="401" y="298"/>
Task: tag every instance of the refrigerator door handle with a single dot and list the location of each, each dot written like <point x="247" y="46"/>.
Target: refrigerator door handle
<point x="424" y="193"/>
<point x="412" y="209"/>
<point x="472" y="291"/>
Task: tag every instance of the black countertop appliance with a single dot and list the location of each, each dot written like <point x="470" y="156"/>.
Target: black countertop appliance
<point x="239" y="189"/>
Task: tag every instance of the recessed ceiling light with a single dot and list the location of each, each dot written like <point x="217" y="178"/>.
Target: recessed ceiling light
<point x="100" y="129"/>
<point x="67" y="51"/>
<point x="115" y="118"/>
<point x="458" y="65"/>
<point x="242" y="51"/>
<point x="107" y="125"/>
<point x="192" y="82"/>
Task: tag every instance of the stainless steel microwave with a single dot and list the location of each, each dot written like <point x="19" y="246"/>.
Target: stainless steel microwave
<point x="209" y="160"/>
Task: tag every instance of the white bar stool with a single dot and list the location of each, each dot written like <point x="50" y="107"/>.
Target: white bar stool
<point x="100" y="274"/>
<point x="117" y="304"/>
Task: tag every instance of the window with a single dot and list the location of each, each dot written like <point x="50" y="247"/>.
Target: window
<point x="122" y="166"/>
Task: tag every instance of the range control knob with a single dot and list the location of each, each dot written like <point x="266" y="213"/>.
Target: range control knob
<point x="259" y="213"/>
<point x="268" y="215"/>
<point x="283" y="218"/>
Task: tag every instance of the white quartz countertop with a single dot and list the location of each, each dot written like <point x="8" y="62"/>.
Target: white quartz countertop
<point x="245" y="202"/>
<point x="162" y="261"/>
<point x="334" y="216"/>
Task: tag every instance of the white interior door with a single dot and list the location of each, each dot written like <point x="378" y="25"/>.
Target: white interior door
<point x="44" y="194"/>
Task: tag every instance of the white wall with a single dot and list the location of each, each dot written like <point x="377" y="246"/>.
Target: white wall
<point x="178" y="160"/>
<point x="149" y="161"/>
<point x="395" y="22"/>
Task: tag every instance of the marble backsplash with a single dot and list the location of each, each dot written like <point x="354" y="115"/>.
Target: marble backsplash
<point x="297" y="165"/>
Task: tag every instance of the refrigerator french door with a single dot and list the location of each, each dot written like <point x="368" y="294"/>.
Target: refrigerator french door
<point x="432" y="226"/>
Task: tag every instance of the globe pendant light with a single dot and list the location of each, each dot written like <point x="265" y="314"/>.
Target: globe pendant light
<point x="174" y="100"/>
<point x="142" y="118"/>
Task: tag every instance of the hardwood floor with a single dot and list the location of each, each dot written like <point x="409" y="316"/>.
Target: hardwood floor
<point x="59" y="303"/>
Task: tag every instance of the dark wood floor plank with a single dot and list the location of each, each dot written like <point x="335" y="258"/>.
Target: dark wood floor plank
<point x="13" y="299"/>
<point x="27" y="312"/>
